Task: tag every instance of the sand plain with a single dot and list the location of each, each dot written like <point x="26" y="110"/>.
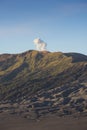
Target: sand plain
<point x="14" y="122"/>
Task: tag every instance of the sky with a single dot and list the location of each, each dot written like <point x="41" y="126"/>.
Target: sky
<point x="62" y="24"/>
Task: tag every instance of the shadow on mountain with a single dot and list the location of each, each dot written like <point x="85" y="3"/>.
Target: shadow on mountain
<point x="77" y="57"/>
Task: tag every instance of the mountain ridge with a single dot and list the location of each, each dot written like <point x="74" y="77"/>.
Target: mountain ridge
<point x="55" y="80"/>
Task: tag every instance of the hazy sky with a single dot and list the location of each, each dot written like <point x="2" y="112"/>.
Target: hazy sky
<point x="62" y="24"/>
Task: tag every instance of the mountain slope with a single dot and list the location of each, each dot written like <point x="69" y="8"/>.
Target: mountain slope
<point x="57" y="81"/>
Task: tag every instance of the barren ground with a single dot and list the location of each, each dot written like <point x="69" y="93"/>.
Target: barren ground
<point x="14" y="122"/>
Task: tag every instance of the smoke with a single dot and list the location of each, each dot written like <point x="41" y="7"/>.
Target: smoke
<point x="40" y="44"/>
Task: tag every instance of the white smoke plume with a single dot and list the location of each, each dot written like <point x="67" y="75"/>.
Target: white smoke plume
<point x="40" y="44"/>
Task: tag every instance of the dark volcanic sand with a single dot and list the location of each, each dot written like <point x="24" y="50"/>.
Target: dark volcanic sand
<point x="13" y="122"/>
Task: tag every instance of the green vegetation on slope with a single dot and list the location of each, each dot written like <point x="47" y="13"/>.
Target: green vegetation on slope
<point x="22" y="75"/>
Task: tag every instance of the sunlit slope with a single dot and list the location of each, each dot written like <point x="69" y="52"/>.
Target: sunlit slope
<point x="22" y="75"/>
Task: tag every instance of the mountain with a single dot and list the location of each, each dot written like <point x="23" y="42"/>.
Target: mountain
<point x="35" y="83"/>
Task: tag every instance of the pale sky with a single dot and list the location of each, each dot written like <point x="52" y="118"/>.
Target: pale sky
<point x="62" y="24"/>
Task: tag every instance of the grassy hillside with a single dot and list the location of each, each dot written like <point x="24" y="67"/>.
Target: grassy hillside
<point x="50" y="78"/>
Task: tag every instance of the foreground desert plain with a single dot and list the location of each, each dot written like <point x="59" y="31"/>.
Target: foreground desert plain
<point x="12" y="122"/>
